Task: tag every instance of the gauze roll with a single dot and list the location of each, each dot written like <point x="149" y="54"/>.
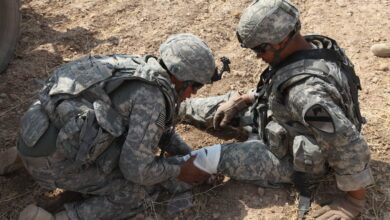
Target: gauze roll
<point x="207" y="158"/>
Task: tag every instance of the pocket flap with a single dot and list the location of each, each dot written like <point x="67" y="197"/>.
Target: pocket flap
<point x="108" y="118"/>
<point x="34" y="123"/>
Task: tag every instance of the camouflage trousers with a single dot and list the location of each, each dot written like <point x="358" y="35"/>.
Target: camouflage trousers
<point x="252" y="162"/>
<point x="110" y="196"/>
<point x="107" y="196"/>
<point x="249" y="161"/>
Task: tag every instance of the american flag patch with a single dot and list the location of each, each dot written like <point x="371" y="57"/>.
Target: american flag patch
<point x="161" y="120"/>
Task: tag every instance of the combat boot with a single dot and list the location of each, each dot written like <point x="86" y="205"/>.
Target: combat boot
<point x="61" y="216"/>
<point x="33" y="212"/>
<point x="9" y="161"/>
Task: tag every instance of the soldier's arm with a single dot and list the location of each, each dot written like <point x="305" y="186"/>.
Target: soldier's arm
<point x="138" y="160"/>
<point x="313" y="103"/>
<point x="174" y="144"/>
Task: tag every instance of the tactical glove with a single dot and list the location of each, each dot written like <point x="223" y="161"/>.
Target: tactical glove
<point x="228" y="110"/>
<point x="344" y="208"/>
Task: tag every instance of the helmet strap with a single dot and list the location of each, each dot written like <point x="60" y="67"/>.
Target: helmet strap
<point x="277" y="52"/>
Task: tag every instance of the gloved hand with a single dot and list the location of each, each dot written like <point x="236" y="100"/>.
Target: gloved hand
<point x="344" y="208"/>
<point x="228" y="110"/>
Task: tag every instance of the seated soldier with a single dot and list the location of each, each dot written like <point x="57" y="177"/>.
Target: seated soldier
<point x="305" y="109"/>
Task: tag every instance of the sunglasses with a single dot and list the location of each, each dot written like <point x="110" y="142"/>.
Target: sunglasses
<point x="196" y="85"/>
<point x="260" y="49"/>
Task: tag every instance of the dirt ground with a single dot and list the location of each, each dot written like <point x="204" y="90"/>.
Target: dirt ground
<point x="56" y="32"/>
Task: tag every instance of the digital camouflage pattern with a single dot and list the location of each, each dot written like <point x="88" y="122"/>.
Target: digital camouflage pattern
<point x="96" y="129"/>
<point x="200" y="110"/>
<point x="188" y="58"/>
<point x="302" y="146"/>
<point x="266" y="22"/>
<point x="252" y="162"/>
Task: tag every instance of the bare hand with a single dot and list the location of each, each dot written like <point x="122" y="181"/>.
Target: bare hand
<point x="190" y="174"/>
<point x="215" y="179"/>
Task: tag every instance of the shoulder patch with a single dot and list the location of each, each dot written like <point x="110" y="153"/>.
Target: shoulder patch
<point x="161" y="120"/>
<point x="319" y="118"/>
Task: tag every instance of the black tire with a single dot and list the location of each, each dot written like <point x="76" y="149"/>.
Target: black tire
<point x="9" y="30"/>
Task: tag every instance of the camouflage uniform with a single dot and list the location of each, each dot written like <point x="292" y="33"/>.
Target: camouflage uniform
<point x="309" y="124"/>
<point x="96" y="129"/>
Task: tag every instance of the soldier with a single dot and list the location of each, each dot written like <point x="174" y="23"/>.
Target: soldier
<point x="99" y="122"/>
<point x="305" y="109"/>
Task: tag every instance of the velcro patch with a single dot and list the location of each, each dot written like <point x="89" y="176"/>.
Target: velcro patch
<point x="319" y="118"/>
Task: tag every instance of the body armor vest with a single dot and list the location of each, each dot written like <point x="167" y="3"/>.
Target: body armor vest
<point x="297" y="67"/>
<point x="74" y="111"/>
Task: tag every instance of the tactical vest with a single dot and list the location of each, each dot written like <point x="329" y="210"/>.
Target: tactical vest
<point x="74" y="111"/>
<point x="300" y="65"/>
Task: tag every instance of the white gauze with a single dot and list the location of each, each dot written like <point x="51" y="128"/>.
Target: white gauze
<point x="207" y="158"/>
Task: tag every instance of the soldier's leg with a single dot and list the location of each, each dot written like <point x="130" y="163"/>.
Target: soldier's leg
<point x="121" y="203"/>
<point x="109" y="196"/>
<point x="251" y="162"/>
<point x="200" y="111"/>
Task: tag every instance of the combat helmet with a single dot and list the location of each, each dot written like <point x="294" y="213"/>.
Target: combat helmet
<point x="188" y="58"/>
<point x="267" y="22"/>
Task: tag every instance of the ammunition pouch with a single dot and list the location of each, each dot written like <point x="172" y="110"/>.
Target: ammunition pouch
<point x="277" y="139"/>
<point x="307" y="156"/>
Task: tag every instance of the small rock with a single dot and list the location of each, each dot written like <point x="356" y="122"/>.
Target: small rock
<point x="139" y="216"/>
<point x="216" y="215"/>
<point x="374" y="80"/>
<point x="14" y="97"/>
<point x="381" y="50"/>
<point x="383" y="67"/>
<point x="341" y="3"/>
<point x="260" y="191"/>
<point x="3" y="96"/>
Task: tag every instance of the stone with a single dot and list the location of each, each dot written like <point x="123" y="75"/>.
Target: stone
<point x="14" y="97"/>
<point x="260" y="191"/>
<point x="381" y="50"/>
<point x="3" y="96"/>
<point x="10" y="161"/>
<point x="383" y="68"/>
<point x="139" y="216"/>
<point x="216" y="215"/>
